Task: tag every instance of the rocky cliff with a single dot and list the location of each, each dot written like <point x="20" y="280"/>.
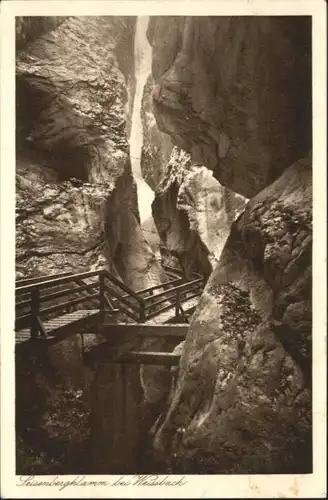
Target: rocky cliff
<point x="157" y="146"/>
<point x="192" y="211"/>
<point x="74" y="93"/>
<point x="77" y="210"/>
<point x="235" y="94"/>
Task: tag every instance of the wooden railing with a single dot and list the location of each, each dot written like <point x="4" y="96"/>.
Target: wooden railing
<point x="175" y="295"/>
<point x="31" y="297"/>
<point x="102" y="291"/>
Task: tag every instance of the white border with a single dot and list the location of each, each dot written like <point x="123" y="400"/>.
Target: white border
<point x="241" y="486"/>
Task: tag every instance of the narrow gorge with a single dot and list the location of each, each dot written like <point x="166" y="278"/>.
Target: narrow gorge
<point x="183" y="141"/>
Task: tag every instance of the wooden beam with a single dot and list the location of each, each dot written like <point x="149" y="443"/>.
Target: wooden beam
<point x="169" y="330"/>
<point x="98" y="353"/>
<point x="150" y="358"/>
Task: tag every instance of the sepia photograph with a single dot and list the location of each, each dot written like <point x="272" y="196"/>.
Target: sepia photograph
<point x="163" y="246"/>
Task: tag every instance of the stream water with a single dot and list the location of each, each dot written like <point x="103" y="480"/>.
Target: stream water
<point x="142" y="56"/>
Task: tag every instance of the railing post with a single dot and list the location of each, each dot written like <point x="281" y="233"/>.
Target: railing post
<point x="102" y="303"/>
<point x="142" y="312"/>
<point x="35" y="310"/>
<point x="177" y="303"/>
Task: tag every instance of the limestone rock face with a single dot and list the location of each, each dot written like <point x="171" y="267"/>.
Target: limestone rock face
<point x="150" y="231"/>
<point x="242" y="402"/>
<point x="193" y="213"/>
<point x="76" y="209"/>
<point x="29" y="28"/>
<point x="157" y="146"/>
<point x="76" y="198"/>
<point x="231" y="96"/>
<point x="72" y="76"/>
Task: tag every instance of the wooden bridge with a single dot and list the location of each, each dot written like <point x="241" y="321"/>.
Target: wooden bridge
<point x="108" y="314"/>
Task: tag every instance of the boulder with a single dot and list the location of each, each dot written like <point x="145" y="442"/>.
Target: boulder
<point x="242" y="402"/>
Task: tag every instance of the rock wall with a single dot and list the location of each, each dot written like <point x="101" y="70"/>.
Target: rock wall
<point x="192" y="211"/>
<point x="157" y="146"/>
<point x="76" y="210"/>
<point x="235" y="94"/>
<point x="243" y="397"/>
<point x="73" y="166"/>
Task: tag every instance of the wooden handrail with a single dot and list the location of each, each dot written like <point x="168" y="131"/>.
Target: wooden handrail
<point x="119" y="298"/>
<point x="56" y="281"/>
<point x="159" y="311"/>
<point x="124" y="287"/>
<point x="40" y="279"/>
<point x="129" y="313"/>
<point x="156" y="287"/>
<point x="161" y="301"/>
<point x="162" y="285"/>
<point x="56" y="295"/>
<point x="177" y="296"/>
<point x="130" y="303"/>
<point x="182" y="287"/>
<point x="69" y="303"/>
<point x="68" y="291"/>
<point x="179" y="271"/>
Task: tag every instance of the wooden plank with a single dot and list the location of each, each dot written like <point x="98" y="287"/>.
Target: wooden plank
<point x="178" y="331"/>
<point x="76" y="325"/>
<point x="63" y="326"/>
<point x="150" y="358"/>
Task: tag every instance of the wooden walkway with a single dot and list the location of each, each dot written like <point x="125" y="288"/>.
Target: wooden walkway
<point x="62" y="326"/>
<point x="43" y="313"/>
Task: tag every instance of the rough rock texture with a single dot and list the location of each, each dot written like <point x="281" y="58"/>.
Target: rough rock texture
<point x="151" y="234"/>
<point x="76" y="210"/>
<point x="193" y="213"/>
<point x="29" y="28"/>
<point x="157" y="146"/>
<point x="72" y="93"/>
<point x="234" y="92"/>
<point x="242" y="402"/>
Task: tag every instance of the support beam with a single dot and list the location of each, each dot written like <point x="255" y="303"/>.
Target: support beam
<point x="178" y="331"/>
<point x="101" y="354"/>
